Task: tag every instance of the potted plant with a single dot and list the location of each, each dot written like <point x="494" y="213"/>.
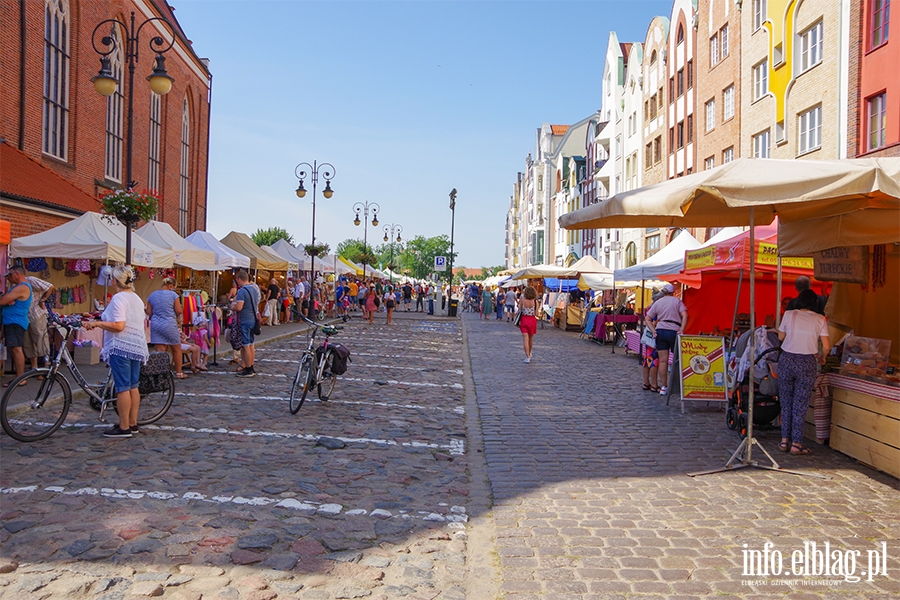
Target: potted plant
<point x="128" y="206"/>
<point x="315" y="250"/>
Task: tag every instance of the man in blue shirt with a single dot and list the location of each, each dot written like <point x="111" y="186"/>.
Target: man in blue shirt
<point x="15" y="306"/>
<point x="246" y="302"/>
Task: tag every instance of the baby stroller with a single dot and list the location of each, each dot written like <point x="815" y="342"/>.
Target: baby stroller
<point x="766" y="406"/>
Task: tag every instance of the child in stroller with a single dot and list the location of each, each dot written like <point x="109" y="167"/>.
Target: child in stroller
<point x="766" y="407"/>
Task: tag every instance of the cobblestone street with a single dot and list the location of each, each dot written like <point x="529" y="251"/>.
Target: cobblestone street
<point x="231" y="496"/>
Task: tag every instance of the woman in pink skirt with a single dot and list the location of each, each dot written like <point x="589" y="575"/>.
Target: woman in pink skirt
<point x="528" y="322"/>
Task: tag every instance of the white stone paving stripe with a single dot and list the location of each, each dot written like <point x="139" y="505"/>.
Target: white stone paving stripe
<point x="455" y="447"/>
<point x="459" y="409"/>
<point x="455" y="516"/>
<point x="266" y="350"/>
<point x="363" y="365"/>
<point x="454" y="386"/>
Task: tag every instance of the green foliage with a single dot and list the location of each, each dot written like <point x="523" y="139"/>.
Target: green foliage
<point x="418" y="255"/>
<point x="128" y="206"/>
<point x="267" y="237"/>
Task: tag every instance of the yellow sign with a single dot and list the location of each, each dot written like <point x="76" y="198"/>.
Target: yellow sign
<point x="697" y="259"/>
<point x="702" y="367"/>
<point x="768" y="255"/>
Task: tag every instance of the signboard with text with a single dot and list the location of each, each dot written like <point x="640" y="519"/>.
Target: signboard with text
<point x="702" y="360"/>
<point x="850" y="264"/>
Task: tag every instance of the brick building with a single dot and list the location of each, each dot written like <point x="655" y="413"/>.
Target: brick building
<point x="63" y="143"/>
<point x="873" y="127"/>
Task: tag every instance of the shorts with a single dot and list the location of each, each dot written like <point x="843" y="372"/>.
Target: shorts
<point x="304" y="305"/>
<point x="528" y="324"/>
<point x="666" y="339"/>
<point x="14" y="335"/>
<point x="37" y="338"/>
<point x="125" y="372"/>
<point x="247" y="335"/>
<point x="510" y="308"/>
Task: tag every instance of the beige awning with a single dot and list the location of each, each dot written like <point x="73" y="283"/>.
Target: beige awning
<point x="259" y="258"/>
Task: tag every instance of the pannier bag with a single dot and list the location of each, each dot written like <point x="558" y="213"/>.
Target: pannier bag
<point x="340" y="360"/>
<point x="155" y="373"/>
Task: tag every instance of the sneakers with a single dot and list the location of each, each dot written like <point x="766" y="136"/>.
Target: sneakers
<point x="527" y="359"/>
<point x="115" y="432"/>
<point x="247" y="372"/>
<point x="663" y="391"/>
<point x="135" y="429"/>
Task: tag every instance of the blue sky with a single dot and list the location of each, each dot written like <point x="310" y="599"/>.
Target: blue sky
<point x="407" y="100"/>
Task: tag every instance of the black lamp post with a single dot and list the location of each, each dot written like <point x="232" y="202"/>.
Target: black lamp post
<point x="364" y="208"/>
<point x="327" y="174"/>
<point x="452" y="224"/>
<point x="392" y="228"/>
<point x="105" y="81"/>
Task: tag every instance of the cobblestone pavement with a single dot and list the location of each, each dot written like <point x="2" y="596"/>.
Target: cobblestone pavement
<point x="231" y="496"/>
<point x="591" y="497"/>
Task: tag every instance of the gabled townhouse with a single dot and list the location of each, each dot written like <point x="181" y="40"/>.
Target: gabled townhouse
<point x="874" y="100"/>
<point x="655" y="83"/>
<point x="795" y="79"/>
<point x="680" y="110"/>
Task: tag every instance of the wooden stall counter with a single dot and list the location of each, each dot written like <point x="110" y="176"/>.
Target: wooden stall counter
<point x="865" y="421"/>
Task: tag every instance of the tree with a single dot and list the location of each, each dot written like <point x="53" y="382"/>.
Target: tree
<point x="418" y="256"/>
<point x="267" y="237"/>
<point x="357" y="251"/>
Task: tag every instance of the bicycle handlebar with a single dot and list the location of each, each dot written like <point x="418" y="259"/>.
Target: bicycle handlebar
<point x="67" y="321"/>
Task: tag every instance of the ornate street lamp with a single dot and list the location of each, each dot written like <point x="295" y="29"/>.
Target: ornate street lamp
<point x="391" y="229"/>
<point x="327" y="170"/>
<point x="364" y="208"/>
<point x="452" y="224"/>
<point x="105" y="82"/>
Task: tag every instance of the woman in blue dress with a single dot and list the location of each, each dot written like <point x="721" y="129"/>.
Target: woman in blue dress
<point x="165" y="310"/>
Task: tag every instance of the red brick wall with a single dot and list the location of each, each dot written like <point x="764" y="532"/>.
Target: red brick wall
<point x="24" y="221"/>
<point x="84" y="166"/>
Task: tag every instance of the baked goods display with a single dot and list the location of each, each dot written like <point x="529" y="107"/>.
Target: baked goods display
<point x="865" y="356"/>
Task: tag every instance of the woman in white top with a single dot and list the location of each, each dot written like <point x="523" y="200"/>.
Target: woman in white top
<point x="124" y="348"/>
<point x="801" y="331"/>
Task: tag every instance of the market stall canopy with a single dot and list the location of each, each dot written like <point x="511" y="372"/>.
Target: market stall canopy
<point x="291" y="254"/>
<point x="596" y="282"/>
<point x="589" y="264"/>
<point x="667" y="261"/>
<point x="186" y="254"/>
<point x="356" y="268"/>
<point x="91" y="236"/>
<point x="861" y="228"/>
<point x="541" y="271"/>
<point x="259" y="258"/>
<point x="226" y="258"/>
<point x="333" y="264"/>
<point x="293" y="263"/>
<point x="795" y="190"/>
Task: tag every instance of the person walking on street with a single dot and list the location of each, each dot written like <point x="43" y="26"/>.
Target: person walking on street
<point x="37" y="337"/>
<point x="420" y="298"/>
<point x="165" y="311"/>
<point x="246" y="302"/>
<point x="14" y="306"/>
<point x="389" y="304"/>
<point x="297" y="294"/>
<point x="801" y="330"/>
<point x="499" y="299"/>
<point x="528" y="322"/>
<point x="272" y="301"/>
<point x="510" y="304"/>
<point x="407" y="295"/>
<point x="666" y="318"/>
<point x="487" y="305"/>
<point x="371" y="303"/>
<point x="124" y="349"/>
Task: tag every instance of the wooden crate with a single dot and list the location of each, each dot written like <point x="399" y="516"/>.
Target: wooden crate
<point x="867" y="428"/>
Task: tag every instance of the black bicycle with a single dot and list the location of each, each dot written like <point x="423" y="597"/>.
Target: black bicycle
<point x="36" y="403"/>
<point x="316" y="367"/>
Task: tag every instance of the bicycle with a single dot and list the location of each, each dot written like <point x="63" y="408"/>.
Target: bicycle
<point x="315" y="369"/>
<point x="34" y="410"/>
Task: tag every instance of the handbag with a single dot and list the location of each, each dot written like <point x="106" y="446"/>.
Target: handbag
<point x="256" y="327"/>
<point x="647" y="338"/>
<point x="518" y="318"/>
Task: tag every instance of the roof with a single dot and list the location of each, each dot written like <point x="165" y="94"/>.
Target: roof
<point x="24" y="178"/>
<point x="559" y="129"/>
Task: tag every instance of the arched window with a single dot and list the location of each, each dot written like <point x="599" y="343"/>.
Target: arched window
<point x="183" y="188"/>
<point x="56" y="78"/>
<point x="680" y="37"/>
<point x="153" y="141"/>
<point x="653" y="58"/>
<point x="114" y="103"/>
<point x="630" y="254"/>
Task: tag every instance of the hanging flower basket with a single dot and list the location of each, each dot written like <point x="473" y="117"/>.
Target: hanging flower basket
<point x="316" y="249"/>
<point x="128" y="206"/>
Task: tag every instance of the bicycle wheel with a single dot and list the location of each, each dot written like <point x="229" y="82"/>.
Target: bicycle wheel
<point x="33" y="411"/>
<point x="155" y="404"/>
<point x="328" y="379"/>
<point x="301" y="385"/>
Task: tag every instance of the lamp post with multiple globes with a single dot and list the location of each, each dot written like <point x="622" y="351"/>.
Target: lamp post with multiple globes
<point x="389" y="231"/>
<point x="312" y="171"/>
<point x="364" y="207"/>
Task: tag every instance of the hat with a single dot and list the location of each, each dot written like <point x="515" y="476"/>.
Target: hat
<point x="199" y="319"/>
<point x="668" y="288"/>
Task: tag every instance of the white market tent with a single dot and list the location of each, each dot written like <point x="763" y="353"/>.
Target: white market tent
<point x="332" y="264"/>
<point x="91" y="236"/>
<point x="541" y="271"/>
<point x="186" y="254"/>
<point x="291" y="254"/>
<point x="593" y="274"/>
<point x="293" y="263"/>
<point x="226" y="258"/>
<point x="667" y="261"/>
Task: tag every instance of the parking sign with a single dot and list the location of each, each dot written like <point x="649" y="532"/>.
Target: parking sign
<point x="440" y="263"/>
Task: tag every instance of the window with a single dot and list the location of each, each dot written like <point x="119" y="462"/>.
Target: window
<point x="657" y="149"/>
<point x="711" y="115"/>
<point x="651" y="245"/>
<point x="653" y="57"/>
<point x="760" y="79"/>
<point x="647" y="109"/>
<point x="618" y="146"/>
<point x="659" y="98"/>
<point x="709" y="163"/>
<point x="759" y="13"/>
<point x="728" y="155"/>
<point x="810" y="130"/>
<point x="723" y="41"/>
<point x="113" y="162"/>
<point x="671" y="140"/>
<point x="811" y="47"/>
<point x="56" y="79"/>
<point x="671" y="90"/>
<point x="877" y="120"/>
<point x="653" y="107"/>
<point x="761" y="145"/>
<point x="630" y="254"/>
<point x="879" y="21"/>
<point x="728" y="102"/>
<point x="680" y="134"/>
<point x="155" y="129"/>
<point x="680" y="80"/>
<point x="680" y="36"/>
<point x="714" y="50"/>
<point x="184" y="183"/>
<point x="690" y="74"/>
<point x="690" y="128"/>
<point x="648" y="154"/>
